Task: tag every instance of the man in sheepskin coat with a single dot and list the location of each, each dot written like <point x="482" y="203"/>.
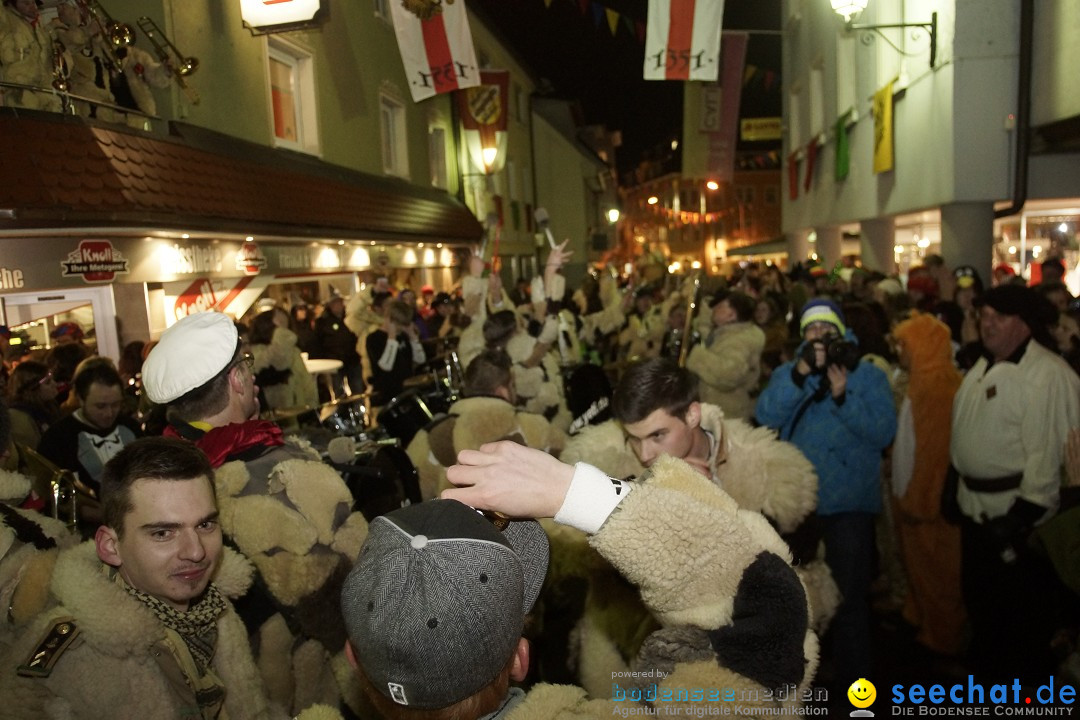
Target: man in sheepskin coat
<point x="138" y="626"/>
<point x="729" y="363"/>
<point x="487" y="413"/>
<point x="733" y="614"/>
<point x="658" y="413"/>
<point x="284" y="509"/>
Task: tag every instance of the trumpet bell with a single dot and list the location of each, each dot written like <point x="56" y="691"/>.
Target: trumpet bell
<point x="121" y="34"/>
<point x="60" y="85"/>
<point x="188" y="65"/>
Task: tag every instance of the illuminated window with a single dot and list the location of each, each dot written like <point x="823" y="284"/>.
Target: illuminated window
<point x="292" y="97"/>
<point x="394" y="143"/>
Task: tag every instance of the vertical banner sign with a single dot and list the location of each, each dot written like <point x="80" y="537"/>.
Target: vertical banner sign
<point x="883" y="133"/>
<point x="682" y="41"/>
<point x="484" y="111"/>
<point x="843" y="154"/>
<point x="721" y="162"/>
<point x="437" y="53"/>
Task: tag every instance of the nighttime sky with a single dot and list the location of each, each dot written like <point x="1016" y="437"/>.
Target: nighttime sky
<point x="584" y="61"/>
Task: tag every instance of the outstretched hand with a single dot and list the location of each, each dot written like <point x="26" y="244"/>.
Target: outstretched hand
<point x="559" y="255"/>
<point x="510" y="478"/>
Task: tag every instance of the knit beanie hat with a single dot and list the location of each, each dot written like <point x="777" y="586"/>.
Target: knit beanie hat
<point x="822" y="310"/>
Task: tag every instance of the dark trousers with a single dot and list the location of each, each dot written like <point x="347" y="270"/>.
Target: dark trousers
<point x="1011" y="608"/>
<point x="850" y="554"/>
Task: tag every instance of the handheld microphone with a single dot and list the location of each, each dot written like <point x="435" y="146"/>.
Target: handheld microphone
<point x="543" y="222"/>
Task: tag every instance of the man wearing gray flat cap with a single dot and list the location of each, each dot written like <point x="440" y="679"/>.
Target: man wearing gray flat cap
<point x="285" y="510"/>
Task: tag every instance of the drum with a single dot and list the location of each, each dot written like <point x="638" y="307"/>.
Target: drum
<point x="381" y="481"/>
<point x="409" y="412"/>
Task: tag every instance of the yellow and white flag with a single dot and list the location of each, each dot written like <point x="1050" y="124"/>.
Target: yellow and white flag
<point x="883" y="134"/>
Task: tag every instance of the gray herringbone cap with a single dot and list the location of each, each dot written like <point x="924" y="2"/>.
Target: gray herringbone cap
<point x="437" y="600"/>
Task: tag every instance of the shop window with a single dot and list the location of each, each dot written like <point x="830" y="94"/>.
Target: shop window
<point x="292" y="97"/>
<point x="437" y="157"/>
<point x="394" y="142"/>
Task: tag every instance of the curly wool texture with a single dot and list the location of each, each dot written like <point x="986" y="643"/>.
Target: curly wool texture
<point x="350" y="537"/>
<point x="317" y="492"/>
<point x="763" y="473"/>
<point x="315" y="683"/>
<point x="319" y="712"/>
<point x="275" y="641"/>
<point x="603" y="446"/>
<point x="261" y="523"/>
<point x="705" y="599"/>
<point x="30" y="589"/>
<point x="14" y="487"/>
<point x="234" y="574"/>
<point x="822" y="593"/>
<point x="293" y="577"/>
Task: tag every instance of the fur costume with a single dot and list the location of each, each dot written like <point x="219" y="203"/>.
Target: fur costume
<point x="929" y="544"/>
<point x="298" y="388"/>
<point x="26" y="57"/>
<point x="472" y="422"/>
<point x="729" y="367"/>
<point x="118" y="666"/>
<point x="29" y="545"/>
<point x="289" y="513"/>
<point x="762" y="474"/>
<point x="733" y="614"/>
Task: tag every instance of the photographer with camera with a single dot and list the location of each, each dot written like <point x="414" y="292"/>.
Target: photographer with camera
<point x="839" y="412"/>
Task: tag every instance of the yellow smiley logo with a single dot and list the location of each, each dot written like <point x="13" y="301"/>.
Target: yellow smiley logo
<point x="862" y="693"/>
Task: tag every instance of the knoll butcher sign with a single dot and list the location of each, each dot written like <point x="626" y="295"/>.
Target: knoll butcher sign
<point x="95" y="261"/>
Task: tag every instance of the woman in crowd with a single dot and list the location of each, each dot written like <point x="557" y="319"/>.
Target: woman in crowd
<point x="31" y="396"/>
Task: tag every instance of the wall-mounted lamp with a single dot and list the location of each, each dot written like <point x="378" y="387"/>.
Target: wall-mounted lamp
<point x="613" y="215"/>
<point x="850" y="8"/>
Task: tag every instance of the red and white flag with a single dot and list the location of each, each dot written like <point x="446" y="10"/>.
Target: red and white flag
<point x="438" y="53"/>
<point x="682" y="41"/>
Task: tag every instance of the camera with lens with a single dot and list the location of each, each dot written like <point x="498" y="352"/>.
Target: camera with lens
<point x="837" y="352"/>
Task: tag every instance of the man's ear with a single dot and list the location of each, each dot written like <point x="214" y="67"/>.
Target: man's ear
<point x="107" y="543"/>
<point x="236" y="382"/>
<point x="693" y="414"/>
<point x="520" y="668"/>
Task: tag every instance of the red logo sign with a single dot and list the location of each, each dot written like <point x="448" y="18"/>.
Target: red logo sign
<point x="199" y="297"/>
<point x="96" y="261"/>
<point x="250" y="259"/>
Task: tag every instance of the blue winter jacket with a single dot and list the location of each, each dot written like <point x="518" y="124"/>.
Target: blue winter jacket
<point x="843" y="441"/>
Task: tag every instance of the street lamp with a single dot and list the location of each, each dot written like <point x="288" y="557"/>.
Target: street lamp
<point x="613" y="215"/>
<point x="849" y="8"/>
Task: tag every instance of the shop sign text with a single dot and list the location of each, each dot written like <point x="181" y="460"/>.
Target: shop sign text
<point x="199" y="297"/>
<point x="95" y="261"/>
<point x="190" y="260"/>
<point x="11" y="279"/>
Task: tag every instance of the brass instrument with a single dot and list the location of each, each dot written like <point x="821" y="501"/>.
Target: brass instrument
<point x="167" y="52"/>
<point x="118" y="34"/>
<point x="60" y="68"/>
<point x="688" y="329"/>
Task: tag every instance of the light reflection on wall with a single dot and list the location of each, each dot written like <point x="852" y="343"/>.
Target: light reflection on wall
<point x="360" y="258"/>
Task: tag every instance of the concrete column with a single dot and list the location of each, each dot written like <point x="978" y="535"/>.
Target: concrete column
<point x="828" y="246"/>
<point x="878" y="237"/>
<point x="798" y="247"/>
<point x="967" y="236"/>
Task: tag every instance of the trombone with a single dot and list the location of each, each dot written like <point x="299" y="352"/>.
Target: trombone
<point x="119" y="34"/>
<point x="167" y="52"/>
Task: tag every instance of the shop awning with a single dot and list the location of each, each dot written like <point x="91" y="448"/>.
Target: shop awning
<point x="59" y="171"/>
<point x="769" y="247"/>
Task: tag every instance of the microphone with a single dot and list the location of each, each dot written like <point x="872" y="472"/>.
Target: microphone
<point x="543" y="222"/>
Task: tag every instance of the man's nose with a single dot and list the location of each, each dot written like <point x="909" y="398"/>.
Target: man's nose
<point x="191" y="546"/>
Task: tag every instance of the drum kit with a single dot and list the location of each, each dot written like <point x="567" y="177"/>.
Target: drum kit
<point x="373" y="461"/>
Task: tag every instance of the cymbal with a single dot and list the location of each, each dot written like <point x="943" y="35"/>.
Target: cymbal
<point x="418" y="380"/>
<point x="328" y="409"/>
<point x="286" y="413"/>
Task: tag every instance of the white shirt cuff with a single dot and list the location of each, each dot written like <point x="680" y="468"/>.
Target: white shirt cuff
<point x="591" y="499"/>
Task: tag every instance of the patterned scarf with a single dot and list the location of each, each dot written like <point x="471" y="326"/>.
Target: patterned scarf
<point x="197" y="627"/>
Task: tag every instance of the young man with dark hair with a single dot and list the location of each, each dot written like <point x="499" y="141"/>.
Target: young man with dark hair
<point x="284" y="509"/>
<point x="394" y="350"/>
<point x="88" y="438"/>
<point x="437" y="600"/>
<point x="138" y="626"/>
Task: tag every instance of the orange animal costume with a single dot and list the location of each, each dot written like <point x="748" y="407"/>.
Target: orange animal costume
<point x="930" y="546"/>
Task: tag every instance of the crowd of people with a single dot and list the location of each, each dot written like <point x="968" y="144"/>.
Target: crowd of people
<point x="733" y="478"/>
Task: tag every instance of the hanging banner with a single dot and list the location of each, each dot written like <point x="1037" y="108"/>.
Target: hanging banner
<point x="721" y="162"/>
<point x="883" y="134"/>
<point x="437" y="53"/>
<point x="843" y="155"/>
<point x="682" y="41"/>
<point x="484" y="110"/>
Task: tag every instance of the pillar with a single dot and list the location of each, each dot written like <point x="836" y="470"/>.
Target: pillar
<point x="828" y="245"/>
<point x="876" y="242"/>
<point x="967" y="236"/>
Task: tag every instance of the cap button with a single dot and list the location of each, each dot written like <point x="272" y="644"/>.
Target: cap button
<point x="418" y="542"/>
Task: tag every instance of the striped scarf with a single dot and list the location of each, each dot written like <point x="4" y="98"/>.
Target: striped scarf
<point x="197" y="627"/>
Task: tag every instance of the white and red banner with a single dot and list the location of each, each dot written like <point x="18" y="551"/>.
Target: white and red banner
<point x="725" y="135"/>
<point x="438" y="53"/>
<point x="484" y="110"/>
<point x="682" y="41"/>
